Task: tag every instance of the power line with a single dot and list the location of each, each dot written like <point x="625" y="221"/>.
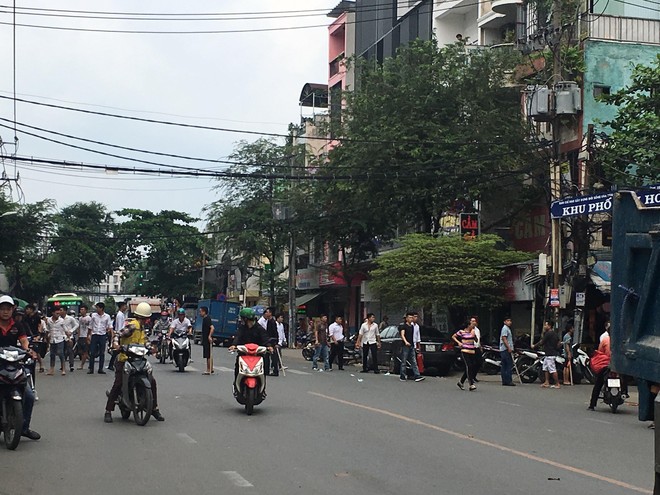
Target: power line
<point x="242" y="131"/>
<point x="209" y="160"/>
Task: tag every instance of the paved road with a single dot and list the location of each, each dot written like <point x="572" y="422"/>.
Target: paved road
<point x="329" y="433"/>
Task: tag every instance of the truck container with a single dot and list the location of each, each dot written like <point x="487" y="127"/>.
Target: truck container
<point x="224" y="316"/>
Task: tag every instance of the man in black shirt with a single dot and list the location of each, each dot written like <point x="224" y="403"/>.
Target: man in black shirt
<point x="207" y="338"/>
<point x="12" y="335"/>
<point x="406" y="330"/>
<point x="550" y="344"/>
<point x="249" y="332"/>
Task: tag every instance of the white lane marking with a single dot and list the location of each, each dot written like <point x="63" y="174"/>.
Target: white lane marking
<point x="190" y="368"/>
<point x="237" y="479"/>
<point x="223" y="368"/>
<point x="186" y="438"/>
<point x="599" y="421"/>
<point x="508" y="403"/>
<point x="298" y="372"/>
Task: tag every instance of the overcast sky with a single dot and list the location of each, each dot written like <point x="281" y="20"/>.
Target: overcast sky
<point x="248" y="81"/>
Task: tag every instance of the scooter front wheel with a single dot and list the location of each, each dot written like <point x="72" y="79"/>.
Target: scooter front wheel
<point x="250" y="397"/>
<point x="13" y="426"/>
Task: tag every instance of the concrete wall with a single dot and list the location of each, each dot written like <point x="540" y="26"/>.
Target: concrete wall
<point x="610" y="64"/>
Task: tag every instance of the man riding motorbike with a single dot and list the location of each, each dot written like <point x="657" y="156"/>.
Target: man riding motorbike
<point x="133" y="333"/>
<point x="249" y="332"/>
<point x="162" y="327"/>
<point x="180" y="326"/>
<point x="12" y="335"/>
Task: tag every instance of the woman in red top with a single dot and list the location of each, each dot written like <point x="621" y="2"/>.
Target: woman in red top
<point x="603" y="347"/>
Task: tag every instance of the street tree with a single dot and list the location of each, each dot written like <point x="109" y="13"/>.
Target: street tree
<point x="165" y="248"/>
<point x="245" y="217"/>
<point x="24" y="249"/>
<point x="430" y="126"/>
<point x="449" y="271"/>
<point x="631" y="153"/>
<point x="82" y="247"/>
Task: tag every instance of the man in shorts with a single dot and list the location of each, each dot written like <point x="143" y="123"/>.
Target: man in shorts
<point x="550" y="344"/>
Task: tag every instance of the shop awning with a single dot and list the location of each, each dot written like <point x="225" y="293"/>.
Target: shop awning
<point x="305" y="298"/>
<point x="601" y="276"/>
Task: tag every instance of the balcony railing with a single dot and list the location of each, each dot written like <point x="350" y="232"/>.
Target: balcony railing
<point x="627" y="29"/>
<point x="335" y="65"/>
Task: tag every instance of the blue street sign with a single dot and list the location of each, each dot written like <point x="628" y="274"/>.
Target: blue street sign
<point x="600" y="203"/>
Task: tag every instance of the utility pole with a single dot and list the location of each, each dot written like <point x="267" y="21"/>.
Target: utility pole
<point x="203" y="270"/>
<point x="555" y="166"/>
<point x="292" y="289"/>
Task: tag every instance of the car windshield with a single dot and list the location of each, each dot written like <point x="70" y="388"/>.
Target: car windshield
<point x="429" y="334"/>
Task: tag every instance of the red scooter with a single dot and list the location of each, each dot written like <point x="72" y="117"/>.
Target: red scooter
<point x="250" y="384"/>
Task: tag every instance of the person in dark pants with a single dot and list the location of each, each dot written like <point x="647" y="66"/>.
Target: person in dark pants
<point x="271" y="359"/>
<point x="133" y="333"/>
<point x="506" y="351"/>
<point x="336" y="335"/>
<point x="465" y="339"/>
<point x="101" y="326"/>
<point x="603" y="347"/>
<point x="369" y="339"/>
<point x="207" y="338"/>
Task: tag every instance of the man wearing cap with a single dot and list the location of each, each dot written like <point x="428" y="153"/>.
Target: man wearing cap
<point x="180" y="325"/>
<point x="12" y="335"/>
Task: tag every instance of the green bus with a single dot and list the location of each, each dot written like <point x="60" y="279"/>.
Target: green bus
<point x="69" y="299"/>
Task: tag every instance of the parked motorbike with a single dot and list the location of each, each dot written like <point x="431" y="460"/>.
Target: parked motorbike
<point x="492" y="362"/>
<point x="308" y="351"/>
<point x="529" y="365"/>
<point x="351" y="354"/>
<point x="13" y="380"/>
<point x="611" y="393"/>
<point x="136" y="396"/>
<point x="180" y="350"/>
<point x="580" y="365"/>
<point x="250" y="384"/>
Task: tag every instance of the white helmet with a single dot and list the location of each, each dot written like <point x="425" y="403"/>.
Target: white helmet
<point x="143" y="309"/>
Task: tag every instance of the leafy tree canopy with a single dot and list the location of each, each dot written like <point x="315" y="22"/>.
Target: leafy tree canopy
<point x="165" y="246"/>
<point x="446" y="270"/>
<point x="631" y="155"/>
<point x="427" y="127"/>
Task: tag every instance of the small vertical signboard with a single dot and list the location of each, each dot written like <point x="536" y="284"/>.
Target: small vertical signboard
<point x="469" y="225"/>
<point x="554" y="298"/>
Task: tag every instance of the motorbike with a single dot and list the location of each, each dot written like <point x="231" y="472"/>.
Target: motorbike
<point x="308" y="351"/>
<point x="13" y="380"/>
<point x="250" y="384"/>
<point x="351" y="354"/>
<point x="162" y="346"/>
<point x="136" y="396"/>
<point x="492" y="362"/>
<point x="611" y="393"/>
<point x="180" y="350"/>
<point x="580" y="365"/>
<point x="529" y="365"/>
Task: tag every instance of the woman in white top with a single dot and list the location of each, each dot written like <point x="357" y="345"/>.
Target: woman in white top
<point x="57" y="335"/>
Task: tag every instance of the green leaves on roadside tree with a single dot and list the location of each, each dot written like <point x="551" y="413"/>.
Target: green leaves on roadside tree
<point x="447" y="270"/>
<point x="631" y="154"/>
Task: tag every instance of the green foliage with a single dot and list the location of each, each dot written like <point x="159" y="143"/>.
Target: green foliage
<point x="82" y="247"/>
<point x="164" y="246"/>
<point x="427" y="127"/>
<point x="244" y="215"/>
<point x="447" y="270"/>
<point x="631" y="154"/>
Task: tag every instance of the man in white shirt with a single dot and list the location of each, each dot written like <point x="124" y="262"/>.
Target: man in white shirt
<point x="416" y="335"/>
<point x="71" y="324"/>
<point x="369" y="339"/>
<point x="477" y="344"/>
<point x="84" y="324"/>
<point x="57" y="335"/>
<point x="101" y="326"/>
<point x="281" y="338"/>
<point x="120" y="321"/>
<point x="336" y="339"/>
<point x="180" y="326"/>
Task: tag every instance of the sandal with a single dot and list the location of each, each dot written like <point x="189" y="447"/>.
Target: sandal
<point x="206" y="373"/>
<point x="651" y="426"/>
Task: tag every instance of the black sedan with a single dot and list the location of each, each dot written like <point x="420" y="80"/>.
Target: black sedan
<point x="436" y="347"/>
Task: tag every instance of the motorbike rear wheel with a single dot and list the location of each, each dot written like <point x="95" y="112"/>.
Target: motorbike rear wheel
<point x="125" y="413"/>
<point x="143" y="403"/>
<point x="614" y="405"/>
<point x="308" y="354"/>
<point x="13" y="426"/>
<point x="250" y="397"/>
